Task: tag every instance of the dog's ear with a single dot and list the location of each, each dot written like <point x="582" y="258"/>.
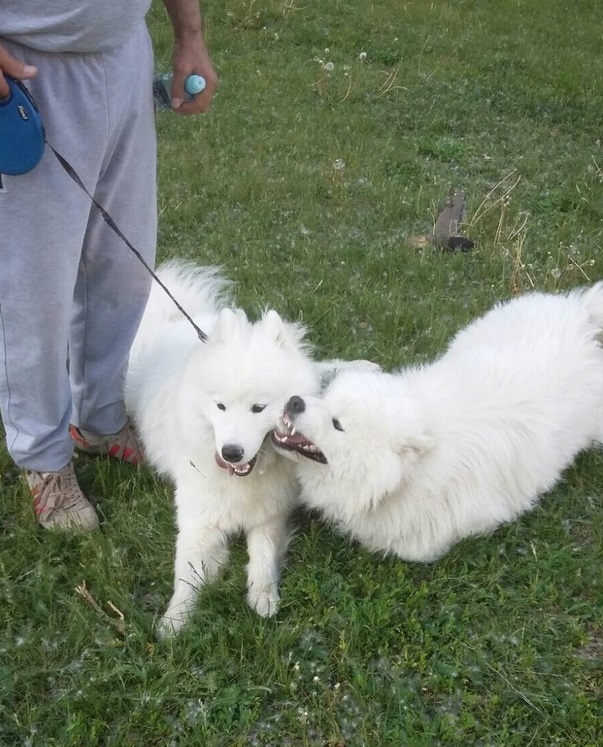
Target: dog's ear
<point x="227" y="323"/>
<point x="285" y="334"/>
<point x="415" y="446"/>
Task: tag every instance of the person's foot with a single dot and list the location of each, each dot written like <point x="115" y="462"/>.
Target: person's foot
<point x="125" y="446"/>
<point x="58" y="501"/>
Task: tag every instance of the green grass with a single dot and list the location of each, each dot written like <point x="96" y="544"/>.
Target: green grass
<point x="309" y="186"/>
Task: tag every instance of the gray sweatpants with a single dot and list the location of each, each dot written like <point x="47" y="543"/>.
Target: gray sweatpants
<point x="71" y="292"/>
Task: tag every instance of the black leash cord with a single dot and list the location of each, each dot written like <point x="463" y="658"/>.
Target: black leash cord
<point x="114" y="227"/>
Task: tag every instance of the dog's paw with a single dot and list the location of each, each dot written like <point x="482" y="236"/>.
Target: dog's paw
<point x="264" y="602"/>
<point x="169" y="625"/>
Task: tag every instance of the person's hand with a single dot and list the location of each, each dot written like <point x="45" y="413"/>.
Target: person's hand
<point x="190" y="57"/>
<point x="13" y="67"/>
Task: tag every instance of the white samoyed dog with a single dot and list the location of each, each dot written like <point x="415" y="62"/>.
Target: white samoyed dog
<point x="204" y="412"/>
<point x="411" y="462"/>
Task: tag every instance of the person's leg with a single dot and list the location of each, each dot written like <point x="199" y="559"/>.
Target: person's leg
<point x="112" y="286"/>
<point x="44" y="225"/>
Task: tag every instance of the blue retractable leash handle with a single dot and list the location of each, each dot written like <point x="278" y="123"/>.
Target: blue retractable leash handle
<point x="22" y="143"/>
<point x="22" y="136"/>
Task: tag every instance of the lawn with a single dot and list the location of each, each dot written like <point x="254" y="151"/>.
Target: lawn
<point x="337" y="134"/>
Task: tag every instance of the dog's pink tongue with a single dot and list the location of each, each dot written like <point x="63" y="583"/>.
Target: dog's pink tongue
<point x="224" y="465"/>
<point x="297" y="438"/>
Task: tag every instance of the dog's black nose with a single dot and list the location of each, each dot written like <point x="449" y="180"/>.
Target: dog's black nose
<point x="295" y="405"/>
<point x="232" y="452"/>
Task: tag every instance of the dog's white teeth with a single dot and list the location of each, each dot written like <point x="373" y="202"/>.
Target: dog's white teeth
<point x="293" y="431"/>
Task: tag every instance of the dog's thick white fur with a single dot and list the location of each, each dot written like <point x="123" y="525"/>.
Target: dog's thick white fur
<point x="204" y="412"/>
<point x="409" y="463"/>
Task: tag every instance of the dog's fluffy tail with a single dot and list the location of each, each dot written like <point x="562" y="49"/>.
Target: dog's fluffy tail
<point x="200" y="290"/>
<point x="593" y="303"/>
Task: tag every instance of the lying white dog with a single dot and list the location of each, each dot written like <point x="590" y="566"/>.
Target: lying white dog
<point x="409" y="463"/>
<point x="204" y="412"/>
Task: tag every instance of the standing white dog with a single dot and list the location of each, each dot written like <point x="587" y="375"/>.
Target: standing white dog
<point x="412" y="462"/>
<point x="205" y="412"/>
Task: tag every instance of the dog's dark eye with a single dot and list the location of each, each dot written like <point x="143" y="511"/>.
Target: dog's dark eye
<point x="258" y="408"/>
<point x="337" y="425"/>
<point x="220" y="406"/>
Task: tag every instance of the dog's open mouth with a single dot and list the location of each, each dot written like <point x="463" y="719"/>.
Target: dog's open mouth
<point x="292" y="440"/>
<point x="240" y="470"/>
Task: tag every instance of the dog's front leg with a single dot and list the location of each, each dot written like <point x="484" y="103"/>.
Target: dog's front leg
<point x="199" y="554"/>
<point x="266" y="546"/>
